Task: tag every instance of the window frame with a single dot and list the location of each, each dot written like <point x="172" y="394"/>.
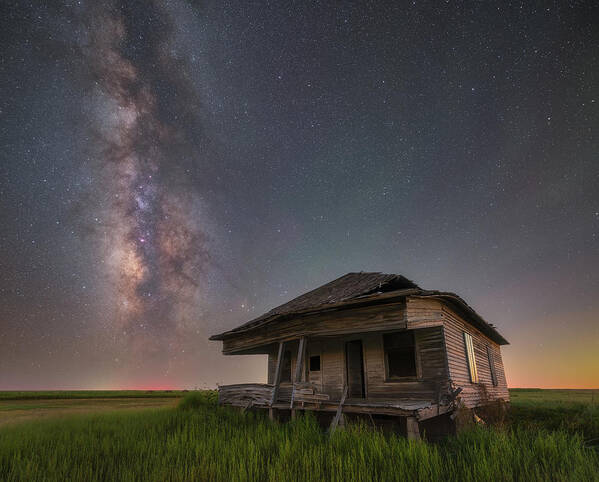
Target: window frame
<point x="471" y="357"/>
<point x="407" y="378"/>
<point x="491" y="359"/>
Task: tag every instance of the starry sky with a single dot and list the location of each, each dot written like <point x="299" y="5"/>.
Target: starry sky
<point x="171" y="169"/>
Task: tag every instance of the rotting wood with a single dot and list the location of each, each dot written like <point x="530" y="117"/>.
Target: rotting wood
<point x="339" y="410"/>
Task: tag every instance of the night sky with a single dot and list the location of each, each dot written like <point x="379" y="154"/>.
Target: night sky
<point x="169" y="170"/>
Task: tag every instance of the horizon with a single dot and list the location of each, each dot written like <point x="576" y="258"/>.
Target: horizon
<point x="180" y="389"/>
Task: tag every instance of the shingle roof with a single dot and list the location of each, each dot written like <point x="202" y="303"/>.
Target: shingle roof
<point x="354" y="286"/>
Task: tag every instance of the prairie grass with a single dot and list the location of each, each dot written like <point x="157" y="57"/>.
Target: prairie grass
<point x="200" y="441"/>
<point x="80" y="394"/>
<point x="573" y="411"/>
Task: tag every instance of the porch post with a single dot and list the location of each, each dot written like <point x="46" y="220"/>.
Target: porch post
<point x="277" y="380"/>
<point x="412" y="430"/>
<point x="299" y="366"/>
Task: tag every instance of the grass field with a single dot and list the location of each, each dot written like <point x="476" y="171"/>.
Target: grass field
<point x="86" y="394"/>
<point x="544" y="440"/>
<point x="17" y="411"/>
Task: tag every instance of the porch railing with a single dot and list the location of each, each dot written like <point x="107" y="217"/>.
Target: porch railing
<point x="245" y="394"/>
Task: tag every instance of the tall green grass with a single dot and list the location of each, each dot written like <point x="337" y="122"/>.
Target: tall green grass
<point x="200" y="441"/>
<point x="573" y="411"/>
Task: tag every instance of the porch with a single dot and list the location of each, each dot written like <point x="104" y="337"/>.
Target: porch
<point x="298" y="383"/>
<point x="303" y="397"/>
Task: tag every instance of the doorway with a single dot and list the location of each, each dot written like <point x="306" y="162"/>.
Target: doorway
<point x="354" y="360"/>
<point x="314" y="365"/>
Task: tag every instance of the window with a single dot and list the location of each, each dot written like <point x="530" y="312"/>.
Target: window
<point x="470" y="357"/>
<point x="315" y="363"/>
<point x="492" y="365"/>
<point x="400" y="354"/>
<point x="286" y="368"/>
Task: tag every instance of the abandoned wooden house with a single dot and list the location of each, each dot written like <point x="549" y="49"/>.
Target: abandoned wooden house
<point x="372" y="344"/>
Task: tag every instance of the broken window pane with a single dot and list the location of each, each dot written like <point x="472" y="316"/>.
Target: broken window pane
<point x="400" y="354"/>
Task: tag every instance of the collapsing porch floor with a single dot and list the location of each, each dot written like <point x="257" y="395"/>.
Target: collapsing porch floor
<point x="421" y="409"/>
<point x="260" y="396"/>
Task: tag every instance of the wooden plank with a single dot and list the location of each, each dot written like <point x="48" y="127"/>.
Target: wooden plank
<point x="277" y="380"/>
<point x="304" y="391"/>
<point x="339" y="410"/>
<point x="312" y="397"/>
<point x="324" y="406"/>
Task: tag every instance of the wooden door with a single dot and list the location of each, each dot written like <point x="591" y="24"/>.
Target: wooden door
<point x="355" y="369"/>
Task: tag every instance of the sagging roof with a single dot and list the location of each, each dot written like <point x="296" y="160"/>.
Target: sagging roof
<point x="361" y="287"/>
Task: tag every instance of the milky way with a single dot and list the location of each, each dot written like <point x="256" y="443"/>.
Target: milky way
<point x="156" y="248"/>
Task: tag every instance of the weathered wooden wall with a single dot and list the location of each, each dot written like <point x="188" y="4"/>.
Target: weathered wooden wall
<point x="473" y="394"/>
<point x="431" y="365"/>
<point x="423" y="313"/>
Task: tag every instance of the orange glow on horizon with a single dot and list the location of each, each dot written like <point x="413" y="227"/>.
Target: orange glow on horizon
<point x="150" y="387"/>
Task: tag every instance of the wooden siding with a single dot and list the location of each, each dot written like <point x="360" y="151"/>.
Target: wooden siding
<point x="423" y="313"/>
<point x="357" y="320"/>
<point x="473" y="394"/>
<point x="430" y="366"/>
<point x="332" y="365"/>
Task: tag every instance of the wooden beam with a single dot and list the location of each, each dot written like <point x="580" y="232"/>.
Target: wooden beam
<point x="412" y="429"/>
<point x="277" y="380"/>
<point x="339" y="410"/>
<point x="300" y="359"/>
<point x="299" y="364"/>
<point x="247" y="405"/>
